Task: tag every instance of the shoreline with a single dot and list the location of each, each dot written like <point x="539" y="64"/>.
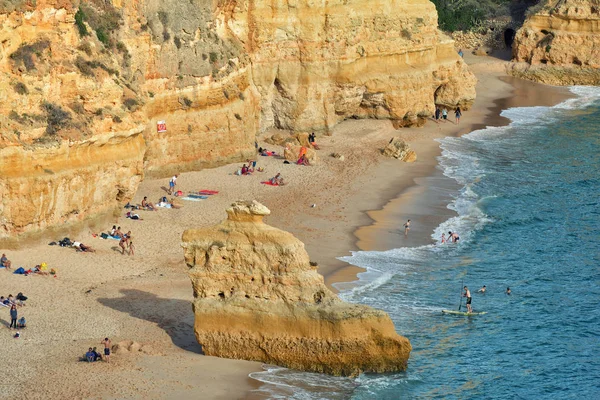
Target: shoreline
<point x="146" y="298"/>
<point x="428" y="195"/>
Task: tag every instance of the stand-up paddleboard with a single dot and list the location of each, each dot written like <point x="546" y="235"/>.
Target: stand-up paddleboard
<point x="466" y="314"/>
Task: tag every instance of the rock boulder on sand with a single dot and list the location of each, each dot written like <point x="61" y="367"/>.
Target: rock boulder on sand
<point x="258" y="297"/>
<point x="398" y="148"/>
<point x="291" y="153"/>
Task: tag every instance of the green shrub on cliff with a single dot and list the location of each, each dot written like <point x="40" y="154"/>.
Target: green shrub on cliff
<point x="102" y="17"/>
<point x="56" y="117"/>
<point x="79" y="21"/>
<point x="465" y="15"/>
<point x="25" y="54"/>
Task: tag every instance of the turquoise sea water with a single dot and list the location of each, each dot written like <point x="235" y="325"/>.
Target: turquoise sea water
<point x="528" y="215"/>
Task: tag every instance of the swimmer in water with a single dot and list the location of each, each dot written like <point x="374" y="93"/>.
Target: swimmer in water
<point x="508" y="291"/>
<point x="482" y="290"/>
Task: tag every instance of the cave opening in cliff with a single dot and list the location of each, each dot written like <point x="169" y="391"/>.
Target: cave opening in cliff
<point x="509" y="37"/>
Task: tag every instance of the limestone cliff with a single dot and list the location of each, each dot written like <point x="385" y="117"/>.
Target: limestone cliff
<point x="258" y="297"/>
<point x="560" y="44"/>
<point x="316" y="64"/>
<point x="91" y="79"/>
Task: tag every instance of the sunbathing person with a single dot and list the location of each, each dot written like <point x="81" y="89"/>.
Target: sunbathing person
<point x="303" y="160"/>
<point x="245" y="170"/>
<point x="148" y="205"/>
<point x="89" y="356"/>
<point x="5" y="262"/>
<point x="132" y="216"/>
<point x="277" y="180"/>
<point x="82" y="247"/>
<point x="21" y="298"/>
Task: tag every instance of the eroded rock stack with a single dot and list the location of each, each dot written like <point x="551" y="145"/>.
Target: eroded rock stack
<point x="560" y="44"/>
<point x="258" y="297"/>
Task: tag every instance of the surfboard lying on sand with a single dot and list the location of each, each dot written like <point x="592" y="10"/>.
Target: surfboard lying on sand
<point x="463" y="313"/>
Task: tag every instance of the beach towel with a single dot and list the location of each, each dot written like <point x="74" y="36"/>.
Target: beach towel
<point x="198" y="196"/>
<point x="104" y="235"/>
<point x="270" y="183"/>
<point x="189" y="198"/>
<point x="208" y="192"/>
<point x="20" y="271"/>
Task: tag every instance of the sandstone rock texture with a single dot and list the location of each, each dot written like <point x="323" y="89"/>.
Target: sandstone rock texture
<point x="398" y="148"/>
<point x="92" y="79"/>
<point x="560" y="44"/>
<point x="258" y="297"/>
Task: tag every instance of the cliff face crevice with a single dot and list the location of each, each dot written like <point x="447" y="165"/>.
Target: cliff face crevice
<point x="215" y="72"/>
<point x="258" y="297"/>
<point x="560" y="44"/>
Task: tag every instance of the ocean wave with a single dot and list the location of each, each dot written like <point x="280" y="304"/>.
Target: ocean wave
<point x="586" y="95"/>
<point x="283" y="383"/>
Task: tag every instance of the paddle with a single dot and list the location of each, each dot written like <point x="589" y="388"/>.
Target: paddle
<point x="461" y="289"/>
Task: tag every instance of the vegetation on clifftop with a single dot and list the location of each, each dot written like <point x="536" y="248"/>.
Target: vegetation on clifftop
<point x="468" y="15"/>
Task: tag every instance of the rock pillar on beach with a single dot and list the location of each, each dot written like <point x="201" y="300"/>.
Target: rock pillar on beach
<point x="258" y="297"/>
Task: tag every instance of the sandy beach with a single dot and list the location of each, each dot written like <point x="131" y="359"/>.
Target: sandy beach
<point x="360" y="204"/>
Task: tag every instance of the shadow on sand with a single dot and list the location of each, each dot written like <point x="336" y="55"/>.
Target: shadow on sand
<point x="174" y="316"/>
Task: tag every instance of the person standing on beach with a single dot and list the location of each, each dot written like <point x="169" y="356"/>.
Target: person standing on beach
<point x="437" y="115"/>
<point x="13" y="316"/>
<point x="457" y="114"/>
<point x="467" y="294"/>
<point x="123" y="243"/>
<point x="172" y="184"/>
<point x="406" y="227"/>
<point x="106" y="343"/>
<point x="445" y="114"/>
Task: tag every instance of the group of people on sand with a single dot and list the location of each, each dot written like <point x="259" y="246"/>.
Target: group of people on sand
<point x="125" y="240"/>
<point x="93" y="355"/>
<point x="443" y="114"/>
<point x="15" y="321"/>
<point x="13" y="301"/>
